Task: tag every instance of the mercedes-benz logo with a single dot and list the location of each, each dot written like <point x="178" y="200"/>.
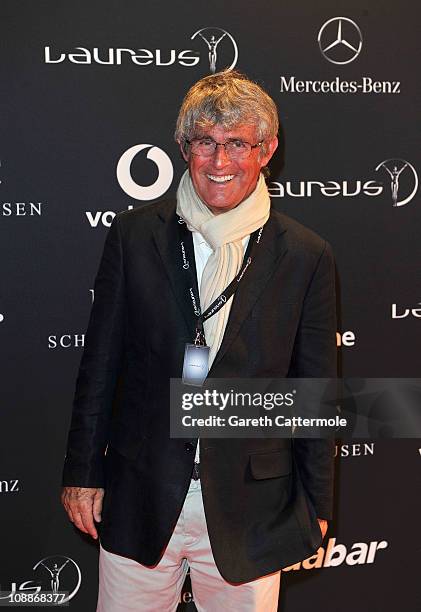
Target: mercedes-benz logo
<point x="340" y="40"/>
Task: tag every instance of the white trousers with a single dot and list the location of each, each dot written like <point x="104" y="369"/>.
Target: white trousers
<point x="128" y="586"/>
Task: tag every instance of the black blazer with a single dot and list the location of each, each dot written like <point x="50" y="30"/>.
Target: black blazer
<point x="262" y="497"/>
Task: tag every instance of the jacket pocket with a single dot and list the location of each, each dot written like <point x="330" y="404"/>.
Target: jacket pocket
<point x="270" y="465"/>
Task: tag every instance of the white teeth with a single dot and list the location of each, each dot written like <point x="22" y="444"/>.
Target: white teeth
<point x="220" y="179"/>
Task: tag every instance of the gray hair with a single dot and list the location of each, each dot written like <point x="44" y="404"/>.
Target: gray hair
<point x="227" y="99"/>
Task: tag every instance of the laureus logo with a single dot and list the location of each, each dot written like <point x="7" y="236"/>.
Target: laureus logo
<point x="63" y="575"/>
<point x="340" y="40"/>
<point x="221" y="46"/>
<point x="403" y="180"/>
<point x="155" y="189"/>
<point x="57" y="577"/>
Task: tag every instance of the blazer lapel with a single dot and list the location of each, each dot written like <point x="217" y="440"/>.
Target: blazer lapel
<point x="167" y="240"/>
<point x="269" y="253"/>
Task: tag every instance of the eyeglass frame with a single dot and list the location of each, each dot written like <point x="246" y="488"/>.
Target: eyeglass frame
<point x="223" y="144"/>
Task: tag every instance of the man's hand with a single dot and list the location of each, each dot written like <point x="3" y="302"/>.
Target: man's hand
<point x="83" y="505"/>
<point x="323" y="526"/>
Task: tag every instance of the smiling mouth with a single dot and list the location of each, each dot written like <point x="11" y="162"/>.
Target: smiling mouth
<point x="220" y="179"/>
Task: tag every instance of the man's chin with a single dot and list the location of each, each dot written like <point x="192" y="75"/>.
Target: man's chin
<point x="220" y="207"/>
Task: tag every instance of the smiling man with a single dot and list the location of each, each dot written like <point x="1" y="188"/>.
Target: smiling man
<point x="233" y="511"/>
<point x="225" y="164"/>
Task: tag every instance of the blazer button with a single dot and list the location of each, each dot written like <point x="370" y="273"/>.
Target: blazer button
<point x="189" y="446"/>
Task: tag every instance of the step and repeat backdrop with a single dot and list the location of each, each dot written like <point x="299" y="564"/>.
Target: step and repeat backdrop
<point x="90" y="94"/>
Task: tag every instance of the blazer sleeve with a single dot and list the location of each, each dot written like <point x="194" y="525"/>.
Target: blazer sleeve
<point x="315" y="356"/>
<point x="99" y="369"/>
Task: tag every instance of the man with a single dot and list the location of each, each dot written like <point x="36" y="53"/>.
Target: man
<point x="235" y="511"/>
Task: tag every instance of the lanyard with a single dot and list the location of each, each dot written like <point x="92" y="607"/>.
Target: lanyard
<point x="220" y="301"/>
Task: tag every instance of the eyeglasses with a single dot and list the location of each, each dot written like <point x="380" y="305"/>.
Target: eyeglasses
<point x="235" y="148"/>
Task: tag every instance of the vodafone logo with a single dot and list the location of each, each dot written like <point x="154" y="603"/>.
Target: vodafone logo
<point x="145" y="192"/>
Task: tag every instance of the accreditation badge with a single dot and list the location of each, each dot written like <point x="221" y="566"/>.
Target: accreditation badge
<point x="196" y="364"/>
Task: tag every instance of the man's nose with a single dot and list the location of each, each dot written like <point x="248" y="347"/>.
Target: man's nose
<point x="220" y="157"/>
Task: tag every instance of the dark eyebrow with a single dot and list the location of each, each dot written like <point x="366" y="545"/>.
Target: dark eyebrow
<point x="206" y="137"/>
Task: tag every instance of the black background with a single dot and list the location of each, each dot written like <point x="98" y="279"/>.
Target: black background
<point x="64" y="127"/>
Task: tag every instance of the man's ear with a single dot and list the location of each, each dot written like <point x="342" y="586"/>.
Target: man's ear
<point x="270" y="148"/>
<point x="183" y="149"/>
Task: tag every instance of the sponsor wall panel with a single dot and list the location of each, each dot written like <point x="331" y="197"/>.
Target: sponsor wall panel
<point x="346" y="84"/>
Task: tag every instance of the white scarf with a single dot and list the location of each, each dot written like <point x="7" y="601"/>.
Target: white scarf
<point x="223" y="233"/>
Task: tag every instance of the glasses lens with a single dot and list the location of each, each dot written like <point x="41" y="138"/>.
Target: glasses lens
<point x="237" y="149"/>
<point x="204" y="147"/>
